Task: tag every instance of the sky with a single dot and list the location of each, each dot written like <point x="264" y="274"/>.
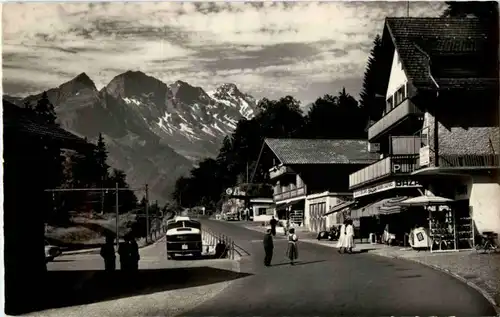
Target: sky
<point x="304" y="49"/>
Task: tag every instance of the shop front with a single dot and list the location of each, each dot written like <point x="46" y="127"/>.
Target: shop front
<point x="292" y="211"/>
<point x="318" y="216"/>
<point x="449" y="228"/>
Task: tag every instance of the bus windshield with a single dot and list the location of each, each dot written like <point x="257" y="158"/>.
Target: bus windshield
<point x="185" y="224"/>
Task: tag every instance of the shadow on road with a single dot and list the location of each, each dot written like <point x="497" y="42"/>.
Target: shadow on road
<point x="298" y="263"/>
<point x="70" y="288"/>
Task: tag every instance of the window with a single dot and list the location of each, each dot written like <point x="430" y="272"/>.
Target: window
<point x="389" y="104"/>
<point x="399" y="96"/>
<point x="262" y="211"/>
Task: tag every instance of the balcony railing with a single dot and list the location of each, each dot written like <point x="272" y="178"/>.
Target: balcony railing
<point x="278" y="171"/>
<point x="427" y="159"/>
<point x="290" y="194"/>
<point x="392" y="165"/>
<point x="397" y="114"/>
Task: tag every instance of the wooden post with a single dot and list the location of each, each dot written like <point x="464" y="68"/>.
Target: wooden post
<point x="117" y="213"/>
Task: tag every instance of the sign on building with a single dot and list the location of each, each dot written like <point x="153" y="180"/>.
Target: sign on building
<point x="400" y="183"/>
<point x="424" y="156"/>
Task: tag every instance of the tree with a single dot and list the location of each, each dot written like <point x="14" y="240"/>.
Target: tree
<point x="101" y="156"/>
<point x="45" y="110"/>
<point x="484" y="10"/>
<point x="336" y="117"/>
<point x="373" y="90"/>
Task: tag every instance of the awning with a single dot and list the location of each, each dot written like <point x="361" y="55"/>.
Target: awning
<point x="286" y="205"/>
<point x="382" y="207"/>
<point x="426" y="201"/>
<point x="339" y="207"/>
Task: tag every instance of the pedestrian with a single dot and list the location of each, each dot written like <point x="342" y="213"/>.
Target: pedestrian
<point x="268" y="247"/>
<point x="124" y="253"/>
<point x="134" y="255"/>
<point x="342" y="237"/>
<point x="292" y="251"/>
<point x="273" y="222"/>
<point x="108" y="254"/>
<point x="349" y="236"/>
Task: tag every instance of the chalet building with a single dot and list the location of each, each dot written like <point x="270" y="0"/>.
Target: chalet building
<point x="438" y="134"/>
<point x="311" y="176"/>
<point x="24" y="218"/>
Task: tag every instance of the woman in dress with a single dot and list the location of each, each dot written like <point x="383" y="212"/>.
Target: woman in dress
<point x="341" y="242"/>
<point x="292" y="252"/>
<point x="349" y="236"/>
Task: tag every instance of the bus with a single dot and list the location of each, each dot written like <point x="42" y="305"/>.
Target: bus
<point x="183" y="237"/>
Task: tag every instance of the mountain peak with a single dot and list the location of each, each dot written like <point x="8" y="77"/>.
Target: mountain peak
<point x="84" y="79"/>
<point x="228" y="88"/>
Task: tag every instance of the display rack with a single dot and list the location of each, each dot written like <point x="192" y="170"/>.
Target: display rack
<point x="464" y="231"/>
<point x="442" y="230"/>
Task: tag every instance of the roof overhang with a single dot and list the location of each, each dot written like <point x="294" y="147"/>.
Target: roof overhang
<point x="452" y="170"/>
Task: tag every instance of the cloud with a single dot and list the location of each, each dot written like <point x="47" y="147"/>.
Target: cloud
<point x="266" y="48"/>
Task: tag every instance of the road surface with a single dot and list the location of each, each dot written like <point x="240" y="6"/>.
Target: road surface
<point x="327" y="283"/>
<point x="78" y="286"/>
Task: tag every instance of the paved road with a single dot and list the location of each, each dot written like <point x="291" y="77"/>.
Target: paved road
<point x="327" y="283"/>
<point x="77" y="286"/>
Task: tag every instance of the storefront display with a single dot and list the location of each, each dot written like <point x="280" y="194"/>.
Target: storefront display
<point x="450" y="229"/>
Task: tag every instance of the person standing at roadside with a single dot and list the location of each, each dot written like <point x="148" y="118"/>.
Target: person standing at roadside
<point x="268" y="247"/>
<point x="273" y="222"/>
<point x="349" y="236"/>
<point x="292" y="251"/>
<point x="342" y="237"/>
<point x="124" y="253"/>
<point x="108" y="254"/>
<point x="134" y="253"/>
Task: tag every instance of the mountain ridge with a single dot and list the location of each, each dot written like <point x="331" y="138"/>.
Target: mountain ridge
<point x="155" y="132"/>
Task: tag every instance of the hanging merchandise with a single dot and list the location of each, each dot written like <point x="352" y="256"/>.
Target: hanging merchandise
<point x="420" y="239"/>
<point x="442" y="229"/>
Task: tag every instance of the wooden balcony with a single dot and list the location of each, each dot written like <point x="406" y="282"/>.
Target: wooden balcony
<point x="278" y="171"/>
<point x="393" y="117"/>
<point x="290" y="194"/>
<point x="392" y="165"/>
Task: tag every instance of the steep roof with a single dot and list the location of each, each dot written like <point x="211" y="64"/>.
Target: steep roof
<point x="321" y="151"/>
<point x="22" y="120"/>
<point x="418" y="39"/>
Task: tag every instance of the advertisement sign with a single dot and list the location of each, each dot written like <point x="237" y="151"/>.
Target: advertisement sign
<point x="400" y="183"/>
<point x="424" y="156"/>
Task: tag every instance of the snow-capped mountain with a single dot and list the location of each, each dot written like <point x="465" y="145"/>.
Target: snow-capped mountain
<point x="155" y="132"/>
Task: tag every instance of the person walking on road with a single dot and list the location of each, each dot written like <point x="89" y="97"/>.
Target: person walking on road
<point x="292" y="251"/>
<point x="108" y="254"/>
<point x="273" y="222"/>
<point x="268" y="247"/>
<point x="349" y="236"/>
<point x="342" y="237"/>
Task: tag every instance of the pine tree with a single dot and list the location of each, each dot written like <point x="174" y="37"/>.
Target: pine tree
<point x="373" y="87"/>
<point x="101" y="157"/>
<point x="45" y="110"/>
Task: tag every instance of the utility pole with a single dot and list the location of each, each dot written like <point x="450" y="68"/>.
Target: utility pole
<point x="147" y="213"/>
<point x="117" y="213"/>
<point x="408" y="9"/>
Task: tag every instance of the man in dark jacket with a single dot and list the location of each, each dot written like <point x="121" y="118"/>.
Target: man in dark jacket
<point x="273" y="224"/>
<point x="268" y="248"/>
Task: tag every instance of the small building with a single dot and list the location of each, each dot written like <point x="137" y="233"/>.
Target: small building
<point x="310" y="176"/>
<point x="438" y="133"/>
<point x="261" y="209"/>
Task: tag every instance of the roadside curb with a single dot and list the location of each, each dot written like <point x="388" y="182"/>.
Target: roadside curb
<point x="478" y="288"/>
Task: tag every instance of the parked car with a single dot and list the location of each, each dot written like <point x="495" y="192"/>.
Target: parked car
<point x="51" y="251"/>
